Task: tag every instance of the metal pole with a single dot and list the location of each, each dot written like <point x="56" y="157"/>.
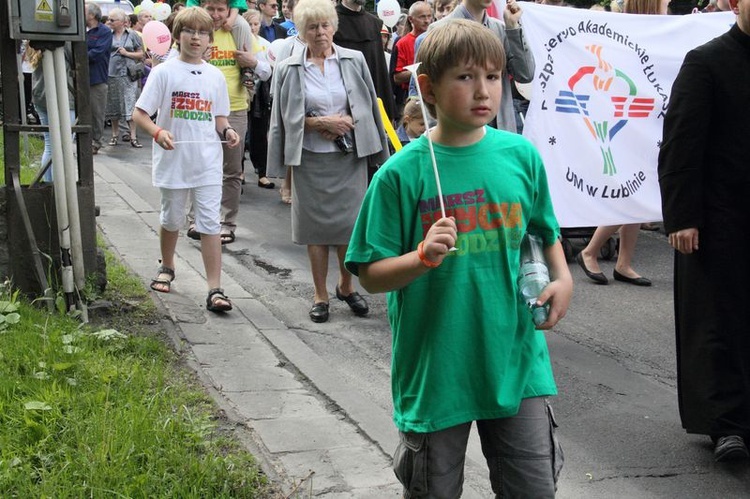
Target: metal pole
<point x="58" y="173"/>
<point x="70" y="167"/>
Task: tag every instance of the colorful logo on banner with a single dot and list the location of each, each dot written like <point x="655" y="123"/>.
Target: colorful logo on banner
<point x="624" y="106"/>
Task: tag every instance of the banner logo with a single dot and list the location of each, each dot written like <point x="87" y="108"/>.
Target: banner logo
<point x="609" y="84"/>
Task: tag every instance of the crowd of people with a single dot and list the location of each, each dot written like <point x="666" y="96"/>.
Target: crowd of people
<point x="306" y="111"/>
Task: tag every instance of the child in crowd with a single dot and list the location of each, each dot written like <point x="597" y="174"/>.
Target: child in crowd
<point x="236" y="7"/>
<point x="442" y="8"/>
<point x="412" y="122"/>
<point x="193" y="103"/>
<point x="464" y="344"/>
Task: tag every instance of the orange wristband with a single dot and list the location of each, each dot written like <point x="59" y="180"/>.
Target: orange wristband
<point x="427" y="262"/>
<point x="156" y="133"/>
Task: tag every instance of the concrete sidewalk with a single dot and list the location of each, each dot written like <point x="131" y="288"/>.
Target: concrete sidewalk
<point x="301" y="437"/>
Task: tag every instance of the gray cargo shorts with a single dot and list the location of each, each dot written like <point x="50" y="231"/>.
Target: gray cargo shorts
<point x="522" y="452"/>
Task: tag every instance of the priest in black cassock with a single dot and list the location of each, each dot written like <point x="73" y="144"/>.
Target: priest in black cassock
<point x="704" y="175"/>
<point x="360" y="30"/>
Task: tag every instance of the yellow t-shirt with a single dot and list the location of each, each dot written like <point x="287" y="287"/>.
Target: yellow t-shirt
<point x="222" y="56"/>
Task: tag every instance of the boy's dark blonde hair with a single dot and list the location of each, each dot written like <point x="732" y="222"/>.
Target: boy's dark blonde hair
<point x="192" y="18"/>
<point x="454" y="42"/>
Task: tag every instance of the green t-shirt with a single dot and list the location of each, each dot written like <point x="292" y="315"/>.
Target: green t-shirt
<point x="232" y="4"/>
<point x="464" y="345"/>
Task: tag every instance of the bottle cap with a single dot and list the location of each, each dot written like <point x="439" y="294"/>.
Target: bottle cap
<point x="539" y="315"/>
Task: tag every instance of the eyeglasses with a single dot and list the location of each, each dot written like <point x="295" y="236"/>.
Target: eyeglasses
<point x="191" y="32"/>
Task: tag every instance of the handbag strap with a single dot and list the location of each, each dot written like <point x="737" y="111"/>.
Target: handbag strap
<point x="127" y="37"/>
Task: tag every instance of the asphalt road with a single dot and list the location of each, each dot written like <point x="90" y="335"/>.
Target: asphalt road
<point x="613" y="356"/>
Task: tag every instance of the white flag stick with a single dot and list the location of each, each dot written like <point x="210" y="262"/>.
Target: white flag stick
<point x="413" y="70"/>
<point x="199" y="142"/>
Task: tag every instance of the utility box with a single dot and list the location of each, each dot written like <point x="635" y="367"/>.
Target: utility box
<point x="52" y="20"/>
<point x="30" y="252"/>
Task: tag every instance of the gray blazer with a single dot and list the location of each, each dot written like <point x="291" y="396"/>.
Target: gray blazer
<point x="288" y="111"/>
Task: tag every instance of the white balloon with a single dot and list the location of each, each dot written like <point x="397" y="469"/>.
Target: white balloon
<point x="161" y="11"/>
<point x="147" y="5"/>
<point x="389" y="11"/>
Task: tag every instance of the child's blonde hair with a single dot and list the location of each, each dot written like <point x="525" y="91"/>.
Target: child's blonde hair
<point x="455" y="42"/>
<point x="195" y="18"/>
<point x="412" y="110"/>
<point x="251" y="13"/>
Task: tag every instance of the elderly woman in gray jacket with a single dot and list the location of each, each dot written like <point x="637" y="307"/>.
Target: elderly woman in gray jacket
<point x="325" y="125"/>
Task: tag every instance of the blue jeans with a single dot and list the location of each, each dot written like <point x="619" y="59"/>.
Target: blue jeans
<point x="47" y="154"/>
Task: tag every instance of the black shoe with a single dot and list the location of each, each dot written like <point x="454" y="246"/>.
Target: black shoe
<point x="730" y="448"/>
<point x="355" y="301"/>
<point x="193" y="234"/>
<point x="319" y="312"/>
<point x="638" y="281"/>
<point x="267" y="185"/>
<point x="597" y="277"/>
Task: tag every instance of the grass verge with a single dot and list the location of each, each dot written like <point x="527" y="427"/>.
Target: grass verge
<point x="91" y="411"/>
<point x="30" y="152"/>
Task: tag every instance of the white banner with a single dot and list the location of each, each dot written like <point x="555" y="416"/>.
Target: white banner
<point x="598" y="101"/>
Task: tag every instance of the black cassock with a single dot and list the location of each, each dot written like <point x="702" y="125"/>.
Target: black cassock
<point x="361" y="31"/>
<point x="704" y="175"/>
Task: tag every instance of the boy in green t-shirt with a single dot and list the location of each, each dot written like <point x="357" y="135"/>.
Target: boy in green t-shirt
<point x="464" y="345"/>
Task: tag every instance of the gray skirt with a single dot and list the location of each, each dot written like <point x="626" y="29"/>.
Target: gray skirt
<point x="122" y="93"/>
<point x="327" y="192"/>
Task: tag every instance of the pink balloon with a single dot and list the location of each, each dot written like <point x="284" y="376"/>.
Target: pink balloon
<point x="157" y="37"/>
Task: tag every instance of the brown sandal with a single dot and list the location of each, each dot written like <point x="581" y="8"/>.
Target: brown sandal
<point x="227" y="237"/>
<point x="161" y="281"/>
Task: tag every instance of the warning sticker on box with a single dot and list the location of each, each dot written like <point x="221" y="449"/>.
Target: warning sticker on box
<point x="43" y="11"/>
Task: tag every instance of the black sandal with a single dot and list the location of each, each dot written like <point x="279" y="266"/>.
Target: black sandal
<point x="136" y="144"/>
<point x="227" y="237"/>
<point x="158" y="280"/>
<point x="213" y="302"/>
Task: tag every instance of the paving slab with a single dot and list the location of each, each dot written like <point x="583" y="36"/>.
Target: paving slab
<point x="298" y="433"/>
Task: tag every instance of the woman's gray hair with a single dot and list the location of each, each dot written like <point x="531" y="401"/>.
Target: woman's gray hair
<point x="118" y="14"/>
<point x="307" y="11"/>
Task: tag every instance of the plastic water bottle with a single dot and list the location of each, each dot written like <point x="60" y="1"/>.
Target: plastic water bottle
<point x="533" y="277"/>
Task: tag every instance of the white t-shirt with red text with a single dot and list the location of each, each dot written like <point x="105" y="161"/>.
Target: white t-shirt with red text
<point x="188" y="98"/>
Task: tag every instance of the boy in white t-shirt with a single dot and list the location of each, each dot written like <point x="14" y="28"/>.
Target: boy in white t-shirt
<point x="193" y="103"/>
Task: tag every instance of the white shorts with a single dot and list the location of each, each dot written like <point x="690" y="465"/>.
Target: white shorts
<point x="206" y="201"/>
